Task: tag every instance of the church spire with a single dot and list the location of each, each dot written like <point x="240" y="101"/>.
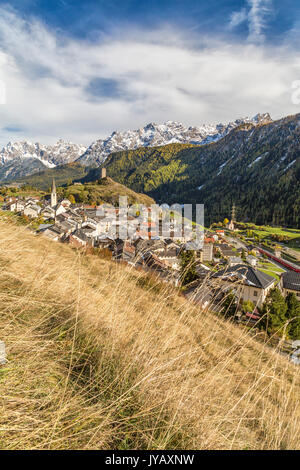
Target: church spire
<point x="53" y="194"/>
<point x="53" y="188"/>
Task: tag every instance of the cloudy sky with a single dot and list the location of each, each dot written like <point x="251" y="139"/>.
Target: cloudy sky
<point x="79" y="70"/>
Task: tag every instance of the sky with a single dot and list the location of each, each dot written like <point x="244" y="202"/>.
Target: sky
<point x="79" y="70"/>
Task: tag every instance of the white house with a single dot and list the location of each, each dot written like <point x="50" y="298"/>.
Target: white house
<point x="32" y="210"/>
<point x="247" y="283"/>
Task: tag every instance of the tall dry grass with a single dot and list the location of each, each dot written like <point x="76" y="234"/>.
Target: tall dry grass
<point x="100" y="356"/>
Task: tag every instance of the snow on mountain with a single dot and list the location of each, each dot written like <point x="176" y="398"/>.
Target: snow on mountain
<point x="153" y="135"/>
<point x="50" y="155"/>
<point x="20" y="159"/>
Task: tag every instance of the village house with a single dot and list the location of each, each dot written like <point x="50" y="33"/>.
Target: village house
<point x="66" y="203"/>
<point x="48" y="213"/>
<point x="225" y="250"/>
<point x="290" y="282"/>
<point x="59" y="209"/>
<point x="246" y="282"/>
<point x="128" y="251"/>
<point x="252" y="260"/>
<point x="80" y="239"/>
<point x="220" y="233"/>
<point x="32" y="210"/>
<point x="207" y="252"/>
<point x="15" y="205"/>
<point x="54" y="233"/>
<point x="234" y="260"/>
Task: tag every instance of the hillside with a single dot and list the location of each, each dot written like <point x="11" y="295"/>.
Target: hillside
<point x="153" y="135"/>
<point x="21" y="159"/>
<point x="257" y="167"/>
<point x="63" y="174"/>
<point x="103" y="190"/>
<point x="102" y="357"/>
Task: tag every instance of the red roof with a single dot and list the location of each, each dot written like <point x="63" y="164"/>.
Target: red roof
<point x="253" y="317"/>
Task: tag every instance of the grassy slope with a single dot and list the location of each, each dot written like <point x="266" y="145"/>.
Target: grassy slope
<point x="105" y="190"/>
<point x="102" y="357"/>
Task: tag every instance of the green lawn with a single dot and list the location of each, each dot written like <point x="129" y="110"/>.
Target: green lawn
<point x="270" y="273"/>
<point x="270" y="268"/>
<point x="266" y="231"/>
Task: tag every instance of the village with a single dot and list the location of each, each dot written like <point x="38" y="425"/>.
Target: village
<point x="222" y="262"/>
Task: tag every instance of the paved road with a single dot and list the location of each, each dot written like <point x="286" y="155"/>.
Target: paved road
<point x="236" y="242"/>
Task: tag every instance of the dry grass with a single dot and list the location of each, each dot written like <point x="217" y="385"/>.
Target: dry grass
<point x="100" y="358"/>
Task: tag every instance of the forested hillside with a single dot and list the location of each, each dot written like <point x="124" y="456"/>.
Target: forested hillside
<point x="257" y="167"/>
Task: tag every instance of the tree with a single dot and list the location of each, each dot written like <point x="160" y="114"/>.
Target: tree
<point x="71" y="199"/>
<point x="229" y="305"/>
<point x="274" y="313"/>
<point x="188" y="267"/>
<point x="248" y="306"/>
<point x="293" y="314"/>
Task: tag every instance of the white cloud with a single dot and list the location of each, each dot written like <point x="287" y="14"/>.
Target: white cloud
<point x="163" y="75"/>
<point x="256" y="17"/>
<point x="237" y="18"/>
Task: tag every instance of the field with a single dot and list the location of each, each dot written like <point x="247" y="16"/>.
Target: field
<point x="265" y="231"/>
<point x="270" y="268"/>
<point x="101" y="356"/>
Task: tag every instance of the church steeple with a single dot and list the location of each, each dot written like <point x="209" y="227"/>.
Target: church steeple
<point x="53" y="194"/>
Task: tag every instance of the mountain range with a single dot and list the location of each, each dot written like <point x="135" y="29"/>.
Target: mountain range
<point x="21" y="159"/>
<point x="255" y="164"/>
<point x="257" y="167"/>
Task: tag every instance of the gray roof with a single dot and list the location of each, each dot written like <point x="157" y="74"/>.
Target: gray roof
<point x="291" y="280"/>
<point x="249" y="275"/>
<point x="79" y="233"/>
<point x="235" y="259"/>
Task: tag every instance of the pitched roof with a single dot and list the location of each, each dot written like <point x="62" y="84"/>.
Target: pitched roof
<point x="291" y="280"/>
<point x="249" y="275"/>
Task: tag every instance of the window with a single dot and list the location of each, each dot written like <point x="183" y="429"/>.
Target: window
<point x="255" y="293"/>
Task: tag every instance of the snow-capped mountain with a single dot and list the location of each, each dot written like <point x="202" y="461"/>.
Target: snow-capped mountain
<point x="153" y="135"/>
<point x="50" y="155"/>
<point x="20" y="159"/>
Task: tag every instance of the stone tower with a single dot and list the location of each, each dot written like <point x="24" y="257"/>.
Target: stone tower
<point x="53" y="194"/>
<point x="103" y="172"/>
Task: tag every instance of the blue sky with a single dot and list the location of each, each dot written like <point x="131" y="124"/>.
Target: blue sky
<point x="82" y="69"/>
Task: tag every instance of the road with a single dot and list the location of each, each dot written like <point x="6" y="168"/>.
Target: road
<point x="236" y="242"/>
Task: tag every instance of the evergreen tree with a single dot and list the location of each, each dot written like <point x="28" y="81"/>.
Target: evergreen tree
<point x="274" y="313"/>
<point x="293" y="313"/>
<point x="229" y="305"/>
<point x="188" y="267"/>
